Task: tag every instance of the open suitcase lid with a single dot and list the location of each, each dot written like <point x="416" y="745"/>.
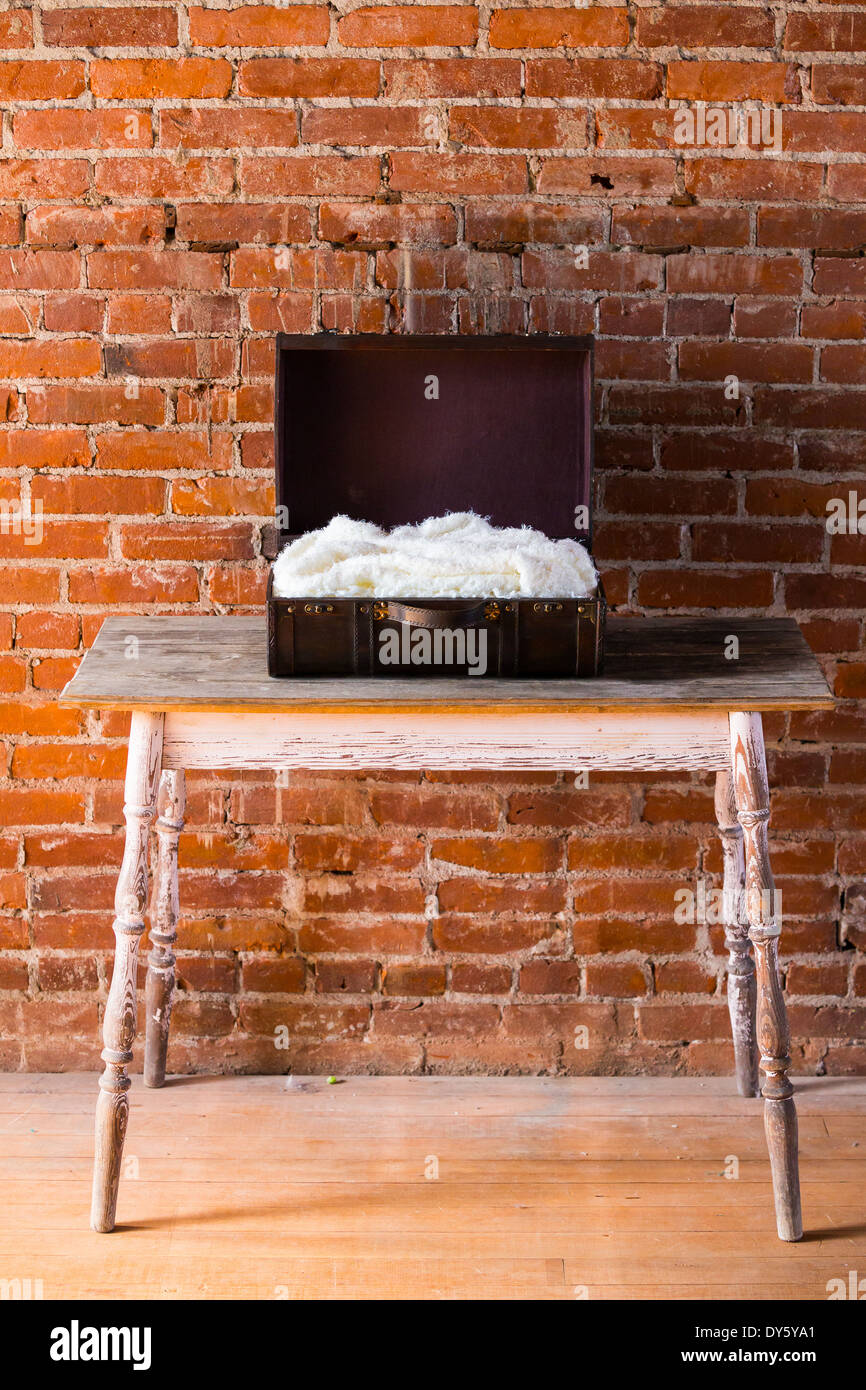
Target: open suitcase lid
<point x="393" y="429"/>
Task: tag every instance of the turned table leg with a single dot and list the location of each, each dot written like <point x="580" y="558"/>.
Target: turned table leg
<point x="159" y="988"/>
<point x="780" y="1116"/>
<point x="130" y="900"/>
<point x="741" y="969"/>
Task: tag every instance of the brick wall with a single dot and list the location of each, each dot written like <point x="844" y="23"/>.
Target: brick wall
<point x="178" y="183"/>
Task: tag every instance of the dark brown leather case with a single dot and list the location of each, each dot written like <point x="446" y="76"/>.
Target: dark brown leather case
<point x="394" y="429"/>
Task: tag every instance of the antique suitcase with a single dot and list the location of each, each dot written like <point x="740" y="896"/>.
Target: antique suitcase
<point x="393" y="429"/>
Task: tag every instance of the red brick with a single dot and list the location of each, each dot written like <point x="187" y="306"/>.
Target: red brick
<point x="74" y="313"/>
<point x="47" y="631"/>
<point x="783" y="545"/>
<point x="604" y="78"/>
<point x="346" y="976"/>
<point x="683" y="977"/>
<point x="825" y="33"/>
<point x="458" y="173"/>
<point x="844" y="364"/>
<point x="559" y="28"/>
<point x="471" y="978"/>
<point x="692" y="226"/>
<point x="149" y="270"/>
<point x="96" y="404"/>
<point x="808" y="409"/>
<point x="30" y="80"/>
<point x="259" y="26"/>
<point x="276" y="974"/>
<point x="510" y="856"/>
<point x="39" y="270"/>
<point x="16" y="29"/>
<point x="570" y="808"/>
<point x="824" y="591"/>
<point x="781" y="362"/>
<point x="82" y="130"/>
<point x="713" y="81"/>
<point x="705" y="26"/>
<point x="669" y="496"/>
<point x="56" y="448"/>
<point x="10" y="225"/>
<point x="99" y="496"/>
<point x="620" y="980"/>
<point x="788" y="497"/>
<point x="672" y="1023"/>
<point x="805" y="131"/>
<point x="244" y="128"/>
<point x="109" y="27"/>
<point x="344" y="854"/>
<point x="164" y="178"/>
<point x="507" y="128"/>
<point x="472" y="934"/>
<point x="373" y="226"/>
<point x="284" y="313"/>
<point x="818" y="229"/>
<point x="718" y="452"/>
<point x="697" y="590"/>
<point x="152" y="78"/>
<point x="162" y="450"/>
<point x="134" y="585"/>
<point x="406" y="79"/>
<point x="94" y="226"/>
<point x="839" y="84"/>
<point x="406" y="26"/>
<point x="636" y="128"/>
<point x="44" y="178"/>
<point x="59" y="760"/>
<point x="254" y="223"/>
<point x="491" y="224"/>
<point x="139" y="313"/>
<point x="420" y="806"/>
<point x="761" y="180"/>
<point x="606" y="175"/>
<point x="414" y="981"/>
<point x="40" y="806"/>
<point x="764" y="318"/>
<point x="70" y="357"/>
<point x="76" y="540"/>
<point x="550" y="977"/>
<point x="620" y="271"/>
<point x="222" y="497"/>
<point x="403" y="936"/>
<point x="311" y="175"/>
<point x="172" y="357"/>
<point x="308" y="77"/>
<point x="720" y="274"/>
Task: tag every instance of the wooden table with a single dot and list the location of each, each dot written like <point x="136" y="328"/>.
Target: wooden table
<point x="676" y="694"/>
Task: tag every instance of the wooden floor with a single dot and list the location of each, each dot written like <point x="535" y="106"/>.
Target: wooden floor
<point x="431" y="1188"/>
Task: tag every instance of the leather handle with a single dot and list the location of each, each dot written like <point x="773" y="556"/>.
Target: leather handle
<point x="435" y="617"/>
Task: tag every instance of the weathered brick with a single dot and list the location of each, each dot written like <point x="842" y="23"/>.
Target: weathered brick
<point x="559" y="28"/>
<point x="109" y="27"/>
<point x="408" y="26"/>
<point x="259" y="26"/>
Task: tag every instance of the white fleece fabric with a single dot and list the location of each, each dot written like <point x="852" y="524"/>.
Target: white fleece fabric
<point x="455" y="556"/>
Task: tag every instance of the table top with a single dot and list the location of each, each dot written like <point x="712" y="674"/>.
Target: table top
<point x="220" y="663"/>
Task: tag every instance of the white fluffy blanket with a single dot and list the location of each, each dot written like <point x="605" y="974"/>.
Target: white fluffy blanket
<point x="455" y="556"/>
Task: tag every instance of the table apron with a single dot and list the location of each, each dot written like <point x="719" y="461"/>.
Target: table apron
<point x="689" y="739"/>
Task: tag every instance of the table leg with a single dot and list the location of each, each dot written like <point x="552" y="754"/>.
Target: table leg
<point x="780" y="1116"/>
<point x="119" y="1027"/>
<point x="159" y="987"/>
<point x="741" y="969"/>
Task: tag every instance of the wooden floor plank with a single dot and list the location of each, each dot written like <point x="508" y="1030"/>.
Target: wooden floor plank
<point x="547" y="1189"/>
